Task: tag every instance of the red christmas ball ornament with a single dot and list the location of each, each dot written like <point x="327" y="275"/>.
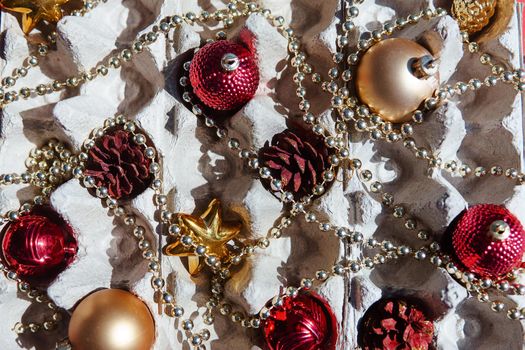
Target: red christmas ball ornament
<point x="488" y="240"/>
<point x="304" y="322"/>
<point x="38" y="246"/>
<point x="224" y="75"/>
<point x="395" y="324"/>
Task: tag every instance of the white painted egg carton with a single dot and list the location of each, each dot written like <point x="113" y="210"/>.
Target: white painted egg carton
<point x="483" y="128"/>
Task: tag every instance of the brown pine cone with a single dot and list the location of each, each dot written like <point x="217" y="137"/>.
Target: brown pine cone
<point x="119" y="164"/>
<point x="396" y="324"/>
<point x="297" y="158"/>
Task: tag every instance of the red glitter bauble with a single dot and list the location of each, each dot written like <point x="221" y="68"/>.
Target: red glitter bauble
<point x="488" y="240"/>
<point x="224" y="75"/>
<point x="305" y="322"/>
<point x="38" y="246"/>
<point x="395" y="324"/>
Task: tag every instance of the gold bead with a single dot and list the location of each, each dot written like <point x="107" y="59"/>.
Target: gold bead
<point x="395" y="77"/>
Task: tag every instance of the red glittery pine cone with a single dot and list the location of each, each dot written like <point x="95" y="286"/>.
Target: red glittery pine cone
<point x="119" y="164"/>
<point x="482" y="252"/>
<point x="220" y="88"/>
<point x="395" y="324"/>
<point x="297" y="158"/>
<point x="38" y="246"/>
<point x="305" y="322"/>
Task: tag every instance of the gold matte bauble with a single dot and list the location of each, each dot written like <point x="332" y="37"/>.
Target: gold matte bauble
<point x="392" y="80"/>
<point x="111" y="319"/>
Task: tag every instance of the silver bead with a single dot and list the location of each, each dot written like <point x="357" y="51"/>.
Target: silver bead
<point x="187" y="325"/>
<point x="200" y="250"/>
<point x="341" y="232"/>
<point x="338" y="269"/>
<point x="167" y="298"/>
<point x="514" y="314"/>
<point x="497" y="306"/>
<point x="355" y="267"/>
<point x="102" y="192"/>
<point x="321" y="275"/>
<point x="486" y="283"/>
<point x="306" y="283"/>
<point x="196" y="340"/>
<point x="178" y="311"/>
<point x="420" y="255"/>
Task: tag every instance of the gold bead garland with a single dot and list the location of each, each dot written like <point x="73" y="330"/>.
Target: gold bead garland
<point x="384" y="251"/>
<point x="352" y="111"/>
<point x="115" y="61"/>
<point x="42" y="49"/>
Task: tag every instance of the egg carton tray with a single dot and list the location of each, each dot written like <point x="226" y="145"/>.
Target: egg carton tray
<point x="482" y="128"/>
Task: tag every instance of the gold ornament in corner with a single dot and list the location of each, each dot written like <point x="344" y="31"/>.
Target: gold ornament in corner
<point x="483" y="20"/>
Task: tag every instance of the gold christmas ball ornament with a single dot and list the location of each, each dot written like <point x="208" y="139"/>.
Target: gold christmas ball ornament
<point x="473" y="15"/>
<point x="483" y="20"/>
<point x="111" y="319"/>
<point x="395" y="77"/>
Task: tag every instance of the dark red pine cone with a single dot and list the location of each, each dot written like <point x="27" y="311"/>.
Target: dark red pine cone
<point x="119" y="164"/>
<point x="396" y="324"/>
<point x="297" y="158"/>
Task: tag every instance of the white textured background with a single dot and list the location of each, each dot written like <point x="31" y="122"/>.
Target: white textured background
<point x="483" y="129"/>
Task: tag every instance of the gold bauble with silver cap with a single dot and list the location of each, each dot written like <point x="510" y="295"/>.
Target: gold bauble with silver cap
<point x="395" y="77"/>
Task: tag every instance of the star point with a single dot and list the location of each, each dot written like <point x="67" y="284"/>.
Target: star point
<point x="35" y="11"/>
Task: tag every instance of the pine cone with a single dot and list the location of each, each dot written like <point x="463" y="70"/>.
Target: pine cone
<point x="119" y="164"/>
<point x="395" y="324"/>
<point x="297" y="158"/>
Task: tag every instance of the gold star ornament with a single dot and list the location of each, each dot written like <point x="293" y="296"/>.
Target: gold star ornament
<point x="35" y="11"/>
<point x="207" y="230"/>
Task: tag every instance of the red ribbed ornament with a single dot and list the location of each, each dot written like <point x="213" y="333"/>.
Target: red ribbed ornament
<point x="305" y="322"/>
<point x="488" y="240"/>
<point x="224" y="75"/>
<point x="38" y="246"/>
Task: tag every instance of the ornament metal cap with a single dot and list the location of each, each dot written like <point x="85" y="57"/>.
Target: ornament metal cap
<point x="499" y="230"/>
<point x="425" y="67"/>
<point x="230" y="62"/>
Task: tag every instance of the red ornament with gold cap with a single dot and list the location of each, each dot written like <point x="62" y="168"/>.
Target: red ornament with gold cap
<point x="487" y="240"/>
<point x="224" y="75"/>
